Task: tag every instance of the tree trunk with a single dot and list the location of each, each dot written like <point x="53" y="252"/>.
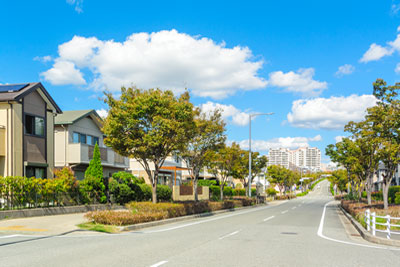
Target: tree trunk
<point x="155" y="180"/>
<point x="369" y="188"/>
<point x="385" y="191"/>
<point x="195" y="179"/>
<point x="221" y="189"/>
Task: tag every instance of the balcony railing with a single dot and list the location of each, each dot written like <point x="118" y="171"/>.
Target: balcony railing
<point x="82" y="153"/>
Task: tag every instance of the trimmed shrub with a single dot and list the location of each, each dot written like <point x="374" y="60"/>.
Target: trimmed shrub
<point x="146" y="192"/>
<point x="392" y="193"/>
<point x="228" y="192"/>
<point x="271" y="192"/>
<point x="214" y="192"/>
<point x="397" y="199"/>
<point x="164" y="193"/>
<point x="253" y="192"/>
<point x="126" y="178"/>
<point x="239" y="192"/>
<point x="206" y="182"/>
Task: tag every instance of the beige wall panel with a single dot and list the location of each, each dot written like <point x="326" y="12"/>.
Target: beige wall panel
<point x="50" y="145"/>
<point x="17" y="145"/>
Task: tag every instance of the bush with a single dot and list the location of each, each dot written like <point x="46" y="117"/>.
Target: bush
<point x="397" y="199"/>
<point x="92" y="190"/>
<point x="214" y="192"/>
<point x="377" y="195"/>
<point x="239" y="192"/>
<point x="302" y="193"/>
<point x="127" y="178"/>
<point x="284" y="197"/>
<point x="228" y="192"/>
<point x="253" y="192"/>
<point x="206" y="182"/>
<point x="141" y="212"/>
<point x="392" y="193"/>
<point x="147" y="192"/>
<point x="271" y="192"/>
<point x="164" y="193"/>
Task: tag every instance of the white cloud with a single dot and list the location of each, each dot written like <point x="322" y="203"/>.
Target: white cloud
<point x="298" y="82"/>
<point x="43" y="59"/>
<point x="64" y="72"/>
<point x="229" y="113"/>
<point x="281" y="142"/>
<point x="165" y="59"/>
<point x="376" y="52"/>
<point x="329" y="113"/>
<point x="397" y="69"/>
<point x="77" y="3"/>
<point x="102" y="112"/>
<point x="395" y="8"/>
<point x="346" y="69"/>
<point x="339" y="138"/>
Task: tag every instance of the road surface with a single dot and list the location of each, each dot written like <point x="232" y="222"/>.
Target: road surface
<point x="308" y="231"/>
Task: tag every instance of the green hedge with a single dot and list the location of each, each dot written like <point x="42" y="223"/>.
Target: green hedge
<point x="206" y="182"/>
<point x="239" y="192"/>
<point x="392" y="193"/>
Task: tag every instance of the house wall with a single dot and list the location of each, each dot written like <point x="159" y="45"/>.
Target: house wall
<point x="61" y="140"/>
<point x="4" y="111"/>
<point x="17" y="130"/>
<point x="85" y="126"/>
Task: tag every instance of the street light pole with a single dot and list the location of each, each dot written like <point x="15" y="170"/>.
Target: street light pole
<point x="252" y="115"/>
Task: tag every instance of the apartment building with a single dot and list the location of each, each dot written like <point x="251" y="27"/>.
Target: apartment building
<point x="76" y="133"/>
<point x="302" y="158"/>
<point x="279" y="156"/>
<point x="27" y="114"/>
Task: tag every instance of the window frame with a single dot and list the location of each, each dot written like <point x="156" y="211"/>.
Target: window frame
<point x="34" y="125"/>
<point x="92" y="138"/>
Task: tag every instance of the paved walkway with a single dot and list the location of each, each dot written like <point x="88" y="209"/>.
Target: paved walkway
<point x="44" y="225"/>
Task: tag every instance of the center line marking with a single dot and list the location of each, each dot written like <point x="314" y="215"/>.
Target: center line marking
<point x="231" y="234"/>
<point x="283" y="212"/>
<point x="269" y="218"/>
<point x="159" y="263"/>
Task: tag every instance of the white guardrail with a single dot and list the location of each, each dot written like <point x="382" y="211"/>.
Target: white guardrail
<point x="370" y="220"/>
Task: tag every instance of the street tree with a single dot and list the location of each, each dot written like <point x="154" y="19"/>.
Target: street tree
<point x="343" y="153"/>
<point x="148" y="125"/>
<point x="278" y="175"/>
<point x="386" y="117"/>
<point x="224" y="163"/>
<point x="258" y="164"/>
<point x="208" y="135"/>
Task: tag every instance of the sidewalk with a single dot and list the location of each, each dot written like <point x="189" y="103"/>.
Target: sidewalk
<point x="44" y="225"/>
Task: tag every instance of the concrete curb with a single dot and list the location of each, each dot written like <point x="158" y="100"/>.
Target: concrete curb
<point x="367" y="235"/>
<point x="13" y="214"/>
<point x="183" y="218"/>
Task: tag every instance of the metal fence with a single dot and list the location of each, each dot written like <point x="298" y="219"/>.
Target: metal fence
<point x="385" y="221"/>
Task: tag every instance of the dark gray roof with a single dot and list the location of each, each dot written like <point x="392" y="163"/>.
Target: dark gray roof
<point x="17" y="95"/>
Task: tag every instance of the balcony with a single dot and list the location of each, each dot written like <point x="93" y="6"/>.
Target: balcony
<point x="82" y="153"/>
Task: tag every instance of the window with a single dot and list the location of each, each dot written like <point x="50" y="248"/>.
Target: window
<point x="34" y="125"/>
<point x="37" y="172"/>
<point x="75" y="137"/>
<point x="95" y="141"/>
<point x="84" y="139"/>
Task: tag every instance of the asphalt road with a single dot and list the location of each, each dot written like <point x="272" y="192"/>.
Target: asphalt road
<point x="308" y="231"/>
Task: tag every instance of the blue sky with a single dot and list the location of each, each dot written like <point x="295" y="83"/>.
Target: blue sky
<point x="312" y="63"/>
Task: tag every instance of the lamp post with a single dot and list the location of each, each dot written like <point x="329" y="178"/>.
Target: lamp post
<point x="250" y="116"/>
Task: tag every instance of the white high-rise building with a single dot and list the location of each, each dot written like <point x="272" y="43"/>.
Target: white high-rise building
<point x="303" y="157"/>
<point x="279" y="156"/>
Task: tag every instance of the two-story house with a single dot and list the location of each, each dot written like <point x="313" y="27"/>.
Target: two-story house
<point x="76" y="133"/>
<point x="27" y="114"/>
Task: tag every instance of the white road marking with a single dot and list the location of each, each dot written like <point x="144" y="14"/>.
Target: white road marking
<point x="321" y="228"/>
<point x="269" y="218"/>
<point x="205" y="221"/>
<point x="159" y="263"/>
<point x="283" y="212"/>
<point x="231" y="234"/>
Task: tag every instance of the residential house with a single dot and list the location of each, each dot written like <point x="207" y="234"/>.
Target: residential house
<point x="76" y="133"/>
<point x="27" y="114"/>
